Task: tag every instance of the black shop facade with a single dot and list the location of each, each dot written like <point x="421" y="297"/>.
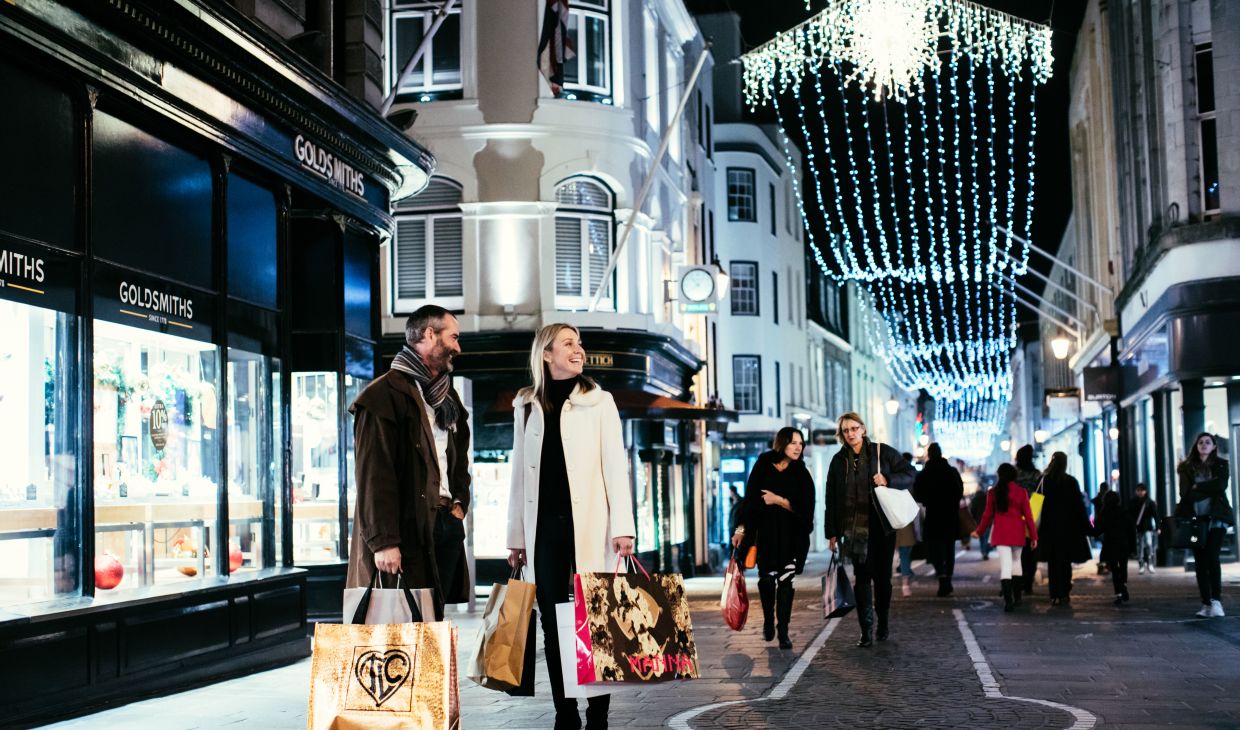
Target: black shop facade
<point x="190" y="222"/>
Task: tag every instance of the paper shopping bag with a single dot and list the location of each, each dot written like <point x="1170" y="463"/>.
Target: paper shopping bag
<point x="734" y="603"/>
<point x="499" y="658"/>
<point x="572" y="652"/>
<point x="838" y="597"/>
<point x="1035" y="504"/>
<point x="387" y="605"/>
<point x="391" y="676"/>
<point x="635" y="626"/>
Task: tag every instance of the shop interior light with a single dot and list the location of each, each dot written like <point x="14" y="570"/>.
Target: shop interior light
<point x="1060" y="346"/>
<point x="923" y="440"/>
<point x="1113" y="432"/>
<point x="1041" y="435"/>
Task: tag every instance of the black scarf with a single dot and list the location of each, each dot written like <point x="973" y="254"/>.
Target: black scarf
<point x="435" y="391"/>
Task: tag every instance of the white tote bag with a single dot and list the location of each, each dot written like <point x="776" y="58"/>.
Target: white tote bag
<point x="898" y="505"/>
<point x="387" y="605"/>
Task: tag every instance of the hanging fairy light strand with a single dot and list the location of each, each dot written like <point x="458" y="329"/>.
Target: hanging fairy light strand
<point x="920" y="151"/>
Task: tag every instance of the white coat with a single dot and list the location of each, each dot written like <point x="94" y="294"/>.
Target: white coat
<point x="598" y="477"/>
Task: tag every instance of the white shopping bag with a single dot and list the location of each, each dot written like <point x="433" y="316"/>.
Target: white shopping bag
<point x="565" y="614"/>
<point x="387" y="605"/>
<point x="897" y="505"/>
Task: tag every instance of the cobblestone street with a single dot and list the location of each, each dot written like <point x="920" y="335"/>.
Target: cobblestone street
<point x="1092" y="665"/>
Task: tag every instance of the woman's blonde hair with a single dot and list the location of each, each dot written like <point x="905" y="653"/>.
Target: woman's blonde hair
<point x="839" y="424"/>
<point x="540" y="373"/>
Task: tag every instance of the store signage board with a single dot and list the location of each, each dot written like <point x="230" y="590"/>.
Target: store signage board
<point x="158" y="422"/>
<point x="37" y="276"/>
<point x="1101" y="384"/>
<point x="338" y="173"/>
<point x="138" y="300"/>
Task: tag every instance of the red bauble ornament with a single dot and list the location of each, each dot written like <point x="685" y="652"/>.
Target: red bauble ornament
<point x="235" y="558"/>
<point x="108" y="571"/>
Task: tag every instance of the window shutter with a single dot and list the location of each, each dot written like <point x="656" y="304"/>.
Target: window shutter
<point x="568" y="256"/>
<point x="411" y="258"/>
<point x="599" y="253"/>
<point x="448" y="269"/>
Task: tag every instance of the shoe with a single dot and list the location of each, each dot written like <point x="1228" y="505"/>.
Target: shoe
<point x="882" y="632"/>
<point x="1124" y="594"/>
<point x="1119" y="600"/>
<point x="1016" y="589"/>
<point x="1141" y="570"/>
<point x="985" y="556"/>
<point x="944" y="588"/>
<point x="1008" y="605"/>
<point x="1216" y="609"/>
<point x="905" y="589"/>
<point x="1054" y="601"/>
<point x="866" y="640"/>
<point x="785" y="642"/>
<point x="1150" y="568"/>
<point x="1207" y="611"/>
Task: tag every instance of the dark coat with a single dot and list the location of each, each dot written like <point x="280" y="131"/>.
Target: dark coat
<point x="938" y="486"/>
<point x="1214" y="489"/>
<point x="1063" y="534"/>
<point x="1118" y="531"/>
<point x="398" y="483"/>
<point x="1145" y="520"/>
<point x="898" y="472"/>
<point x="782" y="536"/>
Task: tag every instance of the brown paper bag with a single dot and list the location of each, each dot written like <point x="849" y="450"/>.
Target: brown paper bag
<point x="386" y="676"/>
<point x="499" y="657"/>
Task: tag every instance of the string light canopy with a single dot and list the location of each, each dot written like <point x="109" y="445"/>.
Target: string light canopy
<point x="918" y="123"/>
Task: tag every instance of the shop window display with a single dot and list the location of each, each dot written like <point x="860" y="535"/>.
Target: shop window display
<point x="255" y="460"/>
<point x="155" y="457"/>
<point x="37" y="431"/>
<point x="353" y="387"/>
<point x="316" y="468"/>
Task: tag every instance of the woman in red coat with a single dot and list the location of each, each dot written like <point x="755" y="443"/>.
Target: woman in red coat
<point x="1007" y="505"/>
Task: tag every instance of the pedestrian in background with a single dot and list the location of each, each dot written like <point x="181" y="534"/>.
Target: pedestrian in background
<point x="1007" y="506"/>
<point x="1144" y="513"/>
<point x="1203" y="496"/>
<point x="852" y="518"/>
<point x="1119" y="536"/>
<point x="1097" y="503"/>
<point x="1028" y="477"/>
<point x="907" y="538"/>
<point x="977" y="506"/>
<point x="563" y="521"/>
<point x="938" y="486"/>
<point x="778" y="516"/>
<point x="1064" y="530"/>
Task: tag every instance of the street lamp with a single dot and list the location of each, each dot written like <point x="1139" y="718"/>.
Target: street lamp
<point x="1059" y="346"/>
<point x="1005" y="446"/>
<point x="1113" y="432"/>
<point x="893" y="407"/>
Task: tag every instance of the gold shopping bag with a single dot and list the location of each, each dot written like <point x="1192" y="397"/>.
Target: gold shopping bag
<point x="385" y="677"/>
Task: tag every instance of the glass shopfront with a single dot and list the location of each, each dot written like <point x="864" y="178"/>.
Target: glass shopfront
<point x="316" y="468"/>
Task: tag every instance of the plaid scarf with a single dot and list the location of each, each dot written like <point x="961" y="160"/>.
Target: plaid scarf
<point x="434" y="390"/>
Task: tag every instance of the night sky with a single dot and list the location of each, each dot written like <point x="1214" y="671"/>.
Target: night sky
<point x="763" y="19"/>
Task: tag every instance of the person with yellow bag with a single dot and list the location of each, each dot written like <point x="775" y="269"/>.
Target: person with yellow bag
<point x="1029" y="478"/>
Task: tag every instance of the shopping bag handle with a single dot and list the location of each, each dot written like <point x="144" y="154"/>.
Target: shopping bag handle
<point x="633" y="559"/>
<point x="363" y="606"/>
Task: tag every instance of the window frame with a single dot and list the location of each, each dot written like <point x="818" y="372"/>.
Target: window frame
<point x="428" y="215"/>
<point x="756" y="386"/>
<point x="584" y="214"/>
<point x="774" y="217"/>
<point x="428" y="90"/>
<point x="1204" y="118"/>
<point x="574" y="90"/>
<point x="735" y="210"/>
<point x="733" y="288"/>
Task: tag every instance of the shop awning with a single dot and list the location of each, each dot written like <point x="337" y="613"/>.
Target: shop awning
<point x="633" y="404"/>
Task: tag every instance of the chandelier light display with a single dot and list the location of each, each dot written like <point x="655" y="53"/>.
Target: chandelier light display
<point x="918" y="123"/>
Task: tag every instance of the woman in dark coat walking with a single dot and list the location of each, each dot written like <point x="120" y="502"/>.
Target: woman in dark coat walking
<point x="852" y="518"/>
<point x="938" y="486"/>
<point x="1119" y="536"/>
<point x="1203" y="496"/>
<point x="778" y="516"/>
<point x="1063" y="528"/>
<point x="1027" y="477"/>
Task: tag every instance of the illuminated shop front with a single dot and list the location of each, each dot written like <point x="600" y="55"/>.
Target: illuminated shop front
<point x="187" y="309"/>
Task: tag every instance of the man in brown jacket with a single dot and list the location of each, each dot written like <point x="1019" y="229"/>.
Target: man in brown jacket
<point x="411" y="446"/>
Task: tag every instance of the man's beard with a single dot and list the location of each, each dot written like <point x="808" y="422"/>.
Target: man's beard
<point x="441" y="358"/>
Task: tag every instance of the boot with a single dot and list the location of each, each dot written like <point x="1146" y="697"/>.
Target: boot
<point x="596" y="713"/>
<point x="880" y="631"/>
<point x="783" y="612"/>
<point x="865" y="614"/>
<point x="1007" y="594"/>
<point x="945" y="586"/>
<point x="766" y="590"/>
<point x="1017" y="585"/>
<point x="566" y="717"/>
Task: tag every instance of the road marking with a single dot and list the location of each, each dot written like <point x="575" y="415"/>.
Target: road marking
<point x="990" y="686"/>
<point x="681" y="720"/>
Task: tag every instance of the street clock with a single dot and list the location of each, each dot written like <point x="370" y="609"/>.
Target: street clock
<point x="699" y="290"/>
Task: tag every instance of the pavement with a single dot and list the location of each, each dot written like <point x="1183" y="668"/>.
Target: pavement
<point x="951" y="662"/>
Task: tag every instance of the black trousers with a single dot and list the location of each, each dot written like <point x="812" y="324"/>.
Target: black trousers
<point x="449" y="554"/>
<point x="876" y="568"/>
<point x="943" y="556"/>
<point x="1029" y="565"/>
<point x="554" y="558"/>
<point x="1119" y="574"/>
<point x="1209" y="572"/>
<point x="1059" y="578"/>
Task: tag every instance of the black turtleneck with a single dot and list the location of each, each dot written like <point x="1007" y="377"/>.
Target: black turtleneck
<point x="554" y="499"/>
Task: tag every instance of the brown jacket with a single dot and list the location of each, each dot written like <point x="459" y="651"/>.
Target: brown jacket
<point x="398" y="482"/>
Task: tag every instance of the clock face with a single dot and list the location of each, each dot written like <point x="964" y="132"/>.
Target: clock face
<point x="697" y="285"/>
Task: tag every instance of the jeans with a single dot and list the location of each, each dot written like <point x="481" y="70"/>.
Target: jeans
<point x="1209" y="572"/>
<point x="1147" y="545"/>
<point x="553" y="569"/>
<point x="983" y="543"/>
<point x="906" y="561"/>
<point x="1009" y="561"/>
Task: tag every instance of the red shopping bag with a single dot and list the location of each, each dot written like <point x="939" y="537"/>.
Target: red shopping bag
<point x="734" y="603"/>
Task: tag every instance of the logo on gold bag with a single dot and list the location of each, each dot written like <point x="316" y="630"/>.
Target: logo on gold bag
<point x="382" y="673"/>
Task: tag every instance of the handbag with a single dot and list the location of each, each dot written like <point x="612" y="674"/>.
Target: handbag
<point x="1035" y="503"/>
<point x="386" y="605"/>
<point x="632" y="628"/>
<point x="499" y="656"/>
<point x="838" y="597"/>
<point x="897" y="506"/>
<point x="751" y="557"/>
<point x="734" y="602"/>
<point x="401" y="675"/>
<point x="1187" y="532"/>
<point x="967" y="524"/>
